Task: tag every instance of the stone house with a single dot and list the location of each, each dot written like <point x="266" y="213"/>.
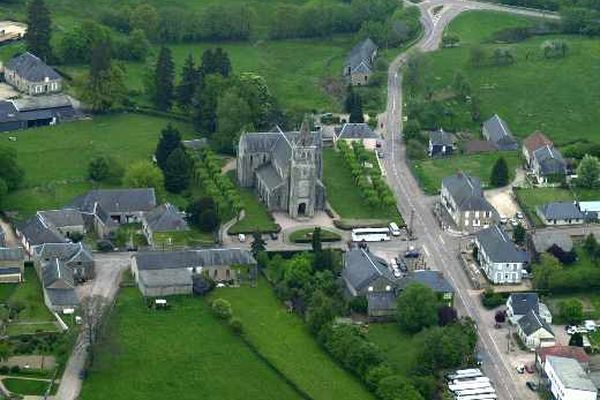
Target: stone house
<point x="441" y="144"/>
<point x="58" y="285"/>
<point x="560" y="213"/>
<point x="12" y="264"/>
<point x="360" y="63"/>
<point x="163" y="219"/>
<point x="496" y="131"/>
<point x="35" y="231"/>
<point x="357" y="132"/>
<point x="533" y="142"/>
<point x="30" y="75"/>
<point x="67" y="222"/>
<point x="548" y="165"/>
<point x="74" y="256"/>
<point x="498" y="256"/>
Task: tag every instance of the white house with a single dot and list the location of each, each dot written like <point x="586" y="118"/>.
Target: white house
<point x="560" y="213"/>
<point x="498" y="256"/>
<point x="357" y="132"/>
<point x="534" y="331"/>
<point x="568" y="380"/>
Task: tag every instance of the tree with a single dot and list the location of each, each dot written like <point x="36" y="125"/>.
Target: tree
<point x="105" y="87"/>
<point x="416" y="308"/>
<point x="519" y="234"/>
<point x="356" y="110"/>
<point x="170" y="139"/>
<point x="397" y="387"/>
<point x="500" y="316"/>
<point x="477" y="56"/>
<point x="233" y="116"/>
<point x="503" y="56"/>
<point x="590" y="245"/>
<point x="322" y="309"/>
<point x="588" y="172"/>
<point x="10" y="172"/>
<point x="544" y="273"/>
<point x="446" y="315"/>
<point x="104" y="168"/>
<point x="571" y="311"/>
<point x="39" y="30"/>
<point x="447" y="347"/>
<point x="316" y="244"/>
<point x="146" y="18"/>
<point x="221" y="308"/>
<point x="189" y="81"/>
<point x="258" y="244"/>
<point x="203" y="214"/>
<point x="461" y="85"/>
<point x="499" y="176"/>
<point x="144" y="174"/>
<point x="138" y="45"/>
<point x="164" y="74"/>
<point x="178" y="170"/>
<point x="216" y="62"/>
<point x="204" y="104"/>
<point x="412" y="129"/>
<point x="576" y="340"/>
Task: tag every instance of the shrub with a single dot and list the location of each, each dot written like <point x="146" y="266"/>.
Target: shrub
<point x="489" y="299"/>
<point x="4" y="370"/>
<point x="359" y="304"/>
<point x="236" y="326"/>
<point x="15" y="369"/>
<point x="221" y="308"/>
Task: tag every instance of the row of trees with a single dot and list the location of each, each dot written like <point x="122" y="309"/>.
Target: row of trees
<point x="11" y="174"/>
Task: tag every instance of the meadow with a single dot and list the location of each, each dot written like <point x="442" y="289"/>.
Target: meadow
<point x="399" y="349"/>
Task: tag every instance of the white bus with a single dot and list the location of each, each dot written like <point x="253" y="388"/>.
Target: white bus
<point x="471" y="392"/>
<point x="394" y="230"/>
<point x="471" y="380"/>
<point x="474" y="373"/>
<point x="491" y="396"/>
<point x="455" y="387"/>
<point x="370" y="234"/>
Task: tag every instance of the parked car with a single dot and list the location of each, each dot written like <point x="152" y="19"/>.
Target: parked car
<point x="532" y="386"/>
<point x="273" y="236"/>
<point x="242" y="238"/>
<point x="590" y="325"/>
<point x="529" y="368"/>
<point x="503" y="220"/>
<point x="519" y="215"/>
<point x="412" y="253"/>
<point x="520" y="369"/>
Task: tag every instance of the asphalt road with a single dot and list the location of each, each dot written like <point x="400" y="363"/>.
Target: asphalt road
<point x="439" y="247"/>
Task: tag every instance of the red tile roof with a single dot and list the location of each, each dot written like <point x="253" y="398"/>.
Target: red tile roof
<point x="576" y="353"/>
<point x="536" y="140"/>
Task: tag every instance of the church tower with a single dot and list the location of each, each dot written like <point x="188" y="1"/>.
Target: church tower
<point x="303" y="174"/>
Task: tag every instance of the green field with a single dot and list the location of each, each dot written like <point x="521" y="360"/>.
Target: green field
<point x="399" y="349"/>
<point x="530" y="199"/>
<point x="285" y="340"/>
<point x="343" y="195"/>
<point x="26" y="386"/>
<point x="557" y="96"/>
<point x="430" y="172"/>
<point x="6" y="290"/>
<point x="29" y="294"/>
<point x="183" y="353"/>
<point x="191" y="238"/>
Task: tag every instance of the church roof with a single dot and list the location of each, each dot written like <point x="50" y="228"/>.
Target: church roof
<point x="269" y="176"/>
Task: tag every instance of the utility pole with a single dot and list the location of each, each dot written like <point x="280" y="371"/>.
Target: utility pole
<point x="410" y="225"/>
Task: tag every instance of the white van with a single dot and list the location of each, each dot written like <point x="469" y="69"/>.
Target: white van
<point x="394" y="230"/>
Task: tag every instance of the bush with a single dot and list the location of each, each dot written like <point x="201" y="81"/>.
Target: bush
<point x="236" y="326"/>
<point x="359" y="304"/>
<point x="4" y="370"/>
<point x="490" y="300"/>
<point x="222" y="309"/>
<point x="104" y="246"/>
<point x="15" y="369"/>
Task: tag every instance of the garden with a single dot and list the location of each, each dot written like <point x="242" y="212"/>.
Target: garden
<point x="306" y="235"/>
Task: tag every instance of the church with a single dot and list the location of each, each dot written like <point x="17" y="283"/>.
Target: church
<point x="284" y="168"/>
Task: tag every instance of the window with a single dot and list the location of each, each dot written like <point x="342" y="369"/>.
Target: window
<point x="388" y="288"/>
<point x="476" y="214"/>
<point x="466" y="214"/>
<point x="228" y="274"/>
<point x="370" y="289"/>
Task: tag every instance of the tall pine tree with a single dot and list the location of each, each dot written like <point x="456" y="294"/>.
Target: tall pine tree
<point x="499" y="175"/>
<point x="164" y="75"/>
<point x="356" y="110"/>
<point x="39" y="28"/>
<point x="216" y="62"/>
<point x="178" y="171"/>
<point x="105" y="87"/>
<point x="187" y="86"/>
<point x="170" y="139"/>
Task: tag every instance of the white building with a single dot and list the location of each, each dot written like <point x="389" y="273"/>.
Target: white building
<point x="568" y="380"/>
<point x="534" y="331"/>
<point x="499" y="258"/>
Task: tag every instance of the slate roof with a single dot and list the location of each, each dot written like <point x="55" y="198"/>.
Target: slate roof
<point x="62" y="218"/>
<point x="361" y="267"/>
<point x="574" y="352"/>
<point x="499" y="247"/>
<point x="560" y="210"/>
<point x="37" y="232"/>
<point x="499" y="133"/>
<point x="550" y="160"/>
<point x="8" y="111"/>
<point x="356" y="131"/>
<point x="117" y="200"/>
<point x="381" y="301"/>
<point x="166" y="218"/>
<point x="62" y="297"/>
<point x="56" y="275"/>
<point x="165" y="277"/>
<point x="156" y="260"/>
<point x="432" y="279"/>
<point x="543" y="240"/>
<point x="571" y="374"/>
<point x="268" y="175"/>
<point x="522" y="303"/>
<point x="440" y="138"/>
<point x="63" y="251"/>
<point x="10" y="270"/>
<point x="466" y="192"/>
<point x="536" y="140"/>
<point x="31" y="68"/>
<point x="45" y="102"/>
<point x="11" y="254"/>
<point x="532" y="322"/>
<point x="360" y="56"/>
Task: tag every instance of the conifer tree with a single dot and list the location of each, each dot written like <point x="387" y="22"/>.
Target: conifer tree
<point x="37" y="38"/>
<point x="499" y="175"/>
<point x="164" y="75"/>
<point x="170" y="139"/>
<point x="188" y="83"/>
<point x="178" y="171"/>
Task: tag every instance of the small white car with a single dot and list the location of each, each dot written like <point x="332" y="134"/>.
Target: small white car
<point x="520" y="369"/>
<point x="242" y="238"/>
<point x="519" y="215"/>
<point x="590" y="325"/>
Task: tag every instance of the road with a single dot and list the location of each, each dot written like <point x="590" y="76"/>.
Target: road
<point x="441" y="248"/>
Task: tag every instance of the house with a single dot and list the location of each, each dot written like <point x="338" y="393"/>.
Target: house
<point x="501" y="261"/>
<point x="12" y="265"/>
<point x="560" y="213"/>
<point x="58" y="285"/>
<point x="35" y="231"/>
<point x="432" y="279"/>
<point x="32" y="76"/>
<point x="30" y="112"/>
<point x="285" y="169"/>
<point x="496" y="131"/>
<point x="440" y="144"/>
<point x="359" y="62"/>
<point x="533" y="142"/>
<point x="163" y="219"/>
<point x="541" y="241"/>
<point x="75" y="256"/>
<point x="591" y="209"/>
<point x="534" y="331"/>
<point x="381" y="306"/>
<point x="548" y="165"/>
<point x="568" y="380"/>
<point x="67" y="222"/>
<point x="519" y="304"/>
<point x="357" y="132"/>
<point x="573" y="352"/>
<point x="462" y="197"/>
<point x="168" y="273"/>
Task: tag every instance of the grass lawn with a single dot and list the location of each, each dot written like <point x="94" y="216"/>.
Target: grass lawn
<point x="26" y="386"/>
<point x="398" y="348"/>
<point x="285" y="340"/>
<point x="183" y="353"/>
<point x="305" y="235"/>
<point x="55" y="158"/>
<point x="430" y="172"/>
<point x="30" y="295"/>
<point x="529" y="199"/>
<point x="557" y="96"/>
<point x="16" y="329"/>
<point x="344" y="197"/>
<point x="6" y="290"/>
<point x="191" y="238"/>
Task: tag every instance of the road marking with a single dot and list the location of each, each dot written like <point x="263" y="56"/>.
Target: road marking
<point x="426" y="251"/>
<point x="441" y="239"/>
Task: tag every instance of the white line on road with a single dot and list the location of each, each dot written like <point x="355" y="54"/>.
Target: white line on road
<point x="441" y="239"/>
<point x="426" y="251"/>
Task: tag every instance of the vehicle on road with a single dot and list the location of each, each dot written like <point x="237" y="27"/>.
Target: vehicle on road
<point x="519" y="215"/>
<point x="273" y="236"/>
<point x="370" y="234"/>
<point x="590" y="325"/>
<point x="532" y="386"/>
<point x="412" y="253"/>
<point x="394" y="230"/>
<point x="520" y="369"/>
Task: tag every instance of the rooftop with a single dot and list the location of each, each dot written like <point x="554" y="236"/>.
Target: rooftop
<point x="433" y="279"/>
<point x="466" y="192"/>
<point x="571" y="374"/>
<point x="361" y="267"/>
<point x="31" y="68"/>
<point x="156" y="260"/>
<point x="361" y="54"/>
<point x="166" y="218"/>
<point x="440" y="138"/>
<point x="499" y="133"/>
<point x="499" y="247"/>
<point x="543" y="240"/>
<point x="356" y="131"/>
<point x="536" y="140"/>
<point x="560" y="210"/>
<point x="532" y="322"/>
<point x="11" y="254"/>
<point x="117" y="200"/>
<point x="573" y="352"/>
<point x="521" y="303"/>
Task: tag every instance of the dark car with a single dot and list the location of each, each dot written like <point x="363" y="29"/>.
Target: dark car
<point x="273" y="236"/>
<point x="532" y="386"/>
<point x="413" y="253"/>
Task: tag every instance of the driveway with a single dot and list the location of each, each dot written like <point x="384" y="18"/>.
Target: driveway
<point x="503" y="198"/>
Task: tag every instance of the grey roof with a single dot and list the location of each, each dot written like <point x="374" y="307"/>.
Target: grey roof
<point x="37" y="232"/>
<point x="154" y="260"/>
<point x="440" y="138"/>
<point x="269" y="176"/>
<point x="381" y="301"/>
<point x="532" y="322"/>
<point x="117" y="200"/>
<point x="31" y="68"/>
<point x="63" y="252"/>
<point x="560" y="210"/>
<point x="544" y="239"/>
<point x="11" y="254"/>
<point x="56" y="275"/>
<point x="165" y="277"/>
<point x="8" y="111"/>
<point x="550" y="160"/>
<point x="522" y="303"/>
<point x="257" y="142"/>
<point x="2" y="237"/>
<point x="62" y="297"/>
<point x="45" y="102"/>
<point x="10" y="270"/>
<point x="62" y="218"/>
<point x="571" y="374"/>
<point x="499" y="247"/>
<point x="356" y="131"/>
<point x="361" y="267"/>
<point x="432" y="279"/>
<point x="360" y="56"/>
<point x="499" y="133"/>
<point x="166" y="218"/>
<point x="466" y="192"/>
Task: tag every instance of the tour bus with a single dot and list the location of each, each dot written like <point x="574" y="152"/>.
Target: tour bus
<point x="370" y="234"/>
<point x="465" y="373"/>
<point x="489" y="396"/>
<point x="394" y="230"/>
<point x="471" y="380"/>
<point x="471" y="392"/>
<point x="455" y="387"/>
